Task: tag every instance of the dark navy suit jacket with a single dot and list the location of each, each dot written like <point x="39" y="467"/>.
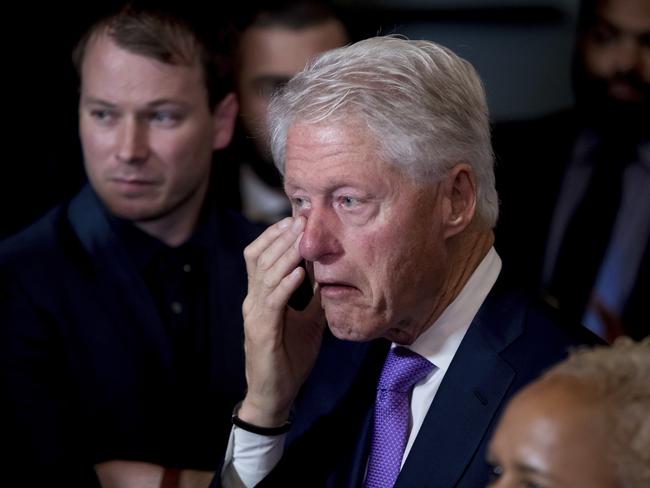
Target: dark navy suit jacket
<point x="509" y="343"/>
<point x="539" y="151"/>
<point x="86" y="366"/>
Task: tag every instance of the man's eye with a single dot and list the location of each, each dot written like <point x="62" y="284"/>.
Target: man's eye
<point x="604" y="34"/>
<point x="349" y="202"/>
<point x="102" y="115"/>
<point x="495" y="473"/>
<point x="165" y="117"/>
<point x="299" y="202"/>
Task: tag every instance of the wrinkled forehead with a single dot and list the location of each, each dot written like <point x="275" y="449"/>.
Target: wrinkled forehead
<point x="348" y="138"/>
<point x="341" y="151"/>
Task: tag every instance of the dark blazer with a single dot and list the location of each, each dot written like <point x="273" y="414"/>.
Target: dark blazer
<point x="86" y="365"/>
<point x="509" y="343"/>
<point x="531" y="159"/>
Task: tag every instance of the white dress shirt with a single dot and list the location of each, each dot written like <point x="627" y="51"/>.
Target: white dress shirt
<point x="261" y="202"/>
<point x="250" y="457"/>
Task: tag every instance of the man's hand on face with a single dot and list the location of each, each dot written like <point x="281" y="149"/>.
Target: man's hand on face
<point x="281" y="343"/>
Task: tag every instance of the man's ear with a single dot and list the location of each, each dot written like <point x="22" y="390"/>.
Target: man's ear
<point x="460" y="192"/>
<point x="224" y="117"/>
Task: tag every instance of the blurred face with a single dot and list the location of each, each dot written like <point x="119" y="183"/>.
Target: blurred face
<point x="373" y="238"/>
<point x="147" y="134"/>
<point x="268" y="58"/>
<point x="615" y="55"/>
<point x="552" y="435"/>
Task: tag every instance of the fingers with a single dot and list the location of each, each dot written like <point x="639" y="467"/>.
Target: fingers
<point x="278" y="354"/>
<point x="279" y="295"/>
<point x="274" y="243"/>
<point x="254" y="249"/>
<point x="272" y="264"/>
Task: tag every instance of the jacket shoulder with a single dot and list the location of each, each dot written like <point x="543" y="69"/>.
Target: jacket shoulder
<point x="46" y="258"/>
<point x="41" y="241"/>
<point x="545" y="335"/>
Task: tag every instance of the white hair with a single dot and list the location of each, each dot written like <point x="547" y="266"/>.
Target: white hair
<point x="425" y="106"/>
<point x="619" y="377"/>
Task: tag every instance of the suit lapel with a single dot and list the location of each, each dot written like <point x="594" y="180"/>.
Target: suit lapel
<point x="354" y="474"/>
<point x="352" y="471"/>
<point x="331" y="389"/>
<point x="333" y="414"/>
<point x="466" y="403"/>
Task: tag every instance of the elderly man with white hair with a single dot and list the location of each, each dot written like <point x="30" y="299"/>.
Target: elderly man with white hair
<point x="396" y="372"/>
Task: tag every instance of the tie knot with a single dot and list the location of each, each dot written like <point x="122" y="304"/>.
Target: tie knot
<point x="402" y="369"/>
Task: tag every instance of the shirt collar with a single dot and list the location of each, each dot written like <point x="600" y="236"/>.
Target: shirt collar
<point x="143" y="248"/>
<point x="440" y="341"/>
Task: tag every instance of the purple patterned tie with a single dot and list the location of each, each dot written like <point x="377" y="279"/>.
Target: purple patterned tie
<point x="402" y="369"/>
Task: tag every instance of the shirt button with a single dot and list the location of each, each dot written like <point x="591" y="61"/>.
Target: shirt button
<point x="177" y="308"/>
<point x="187" y="268"/>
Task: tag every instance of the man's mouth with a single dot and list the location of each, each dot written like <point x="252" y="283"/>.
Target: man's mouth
<point x="130" y="184"/>
<point x="132" y="180"/>
<point x="336" y="289"/>
<point x="624" y="92"/>
<point x="627" y="88"/>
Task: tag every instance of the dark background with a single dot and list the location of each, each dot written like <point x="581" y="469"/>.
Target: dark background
<point x="522" y="49"/>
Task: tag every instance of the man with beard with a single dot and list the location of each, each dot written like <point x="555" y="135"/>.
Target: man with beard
<point x="580" y="234"/>
<point x="278" y="39"/>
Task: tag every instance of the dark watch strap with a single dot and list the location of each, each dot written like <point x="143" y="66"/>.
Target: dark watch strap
<point x="256" y="429"/>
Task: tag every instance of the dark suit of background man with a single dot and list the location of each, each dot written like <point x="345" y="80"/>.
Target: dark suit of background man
<point x="121" y="330"/>
<point x="386" y="155"/>
<point x="581" y="233"/>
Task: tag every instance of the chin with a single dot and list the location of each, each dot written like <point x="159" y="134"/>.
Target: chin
<point x="135" y="210"/>
<point x="353" y="330"/>
<point x="133" y="215"/>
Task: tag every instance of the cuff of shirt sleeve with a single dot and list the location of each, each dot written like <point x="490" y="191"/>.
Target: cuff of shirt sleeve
<point x="250" y="457"/>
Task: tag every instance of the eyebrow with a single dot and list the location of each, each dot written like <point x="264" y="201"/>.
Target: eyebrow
<point x="152" y="104"/>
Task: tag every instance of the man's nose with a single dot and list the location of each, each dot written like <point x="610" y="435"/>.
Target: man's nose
<point x="319" y="242"/>
<point x="133" y="143"/>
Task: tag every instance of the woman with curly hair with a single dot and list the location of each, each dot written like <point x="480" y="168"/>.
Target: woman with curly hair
<point x="585" y="423"/>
